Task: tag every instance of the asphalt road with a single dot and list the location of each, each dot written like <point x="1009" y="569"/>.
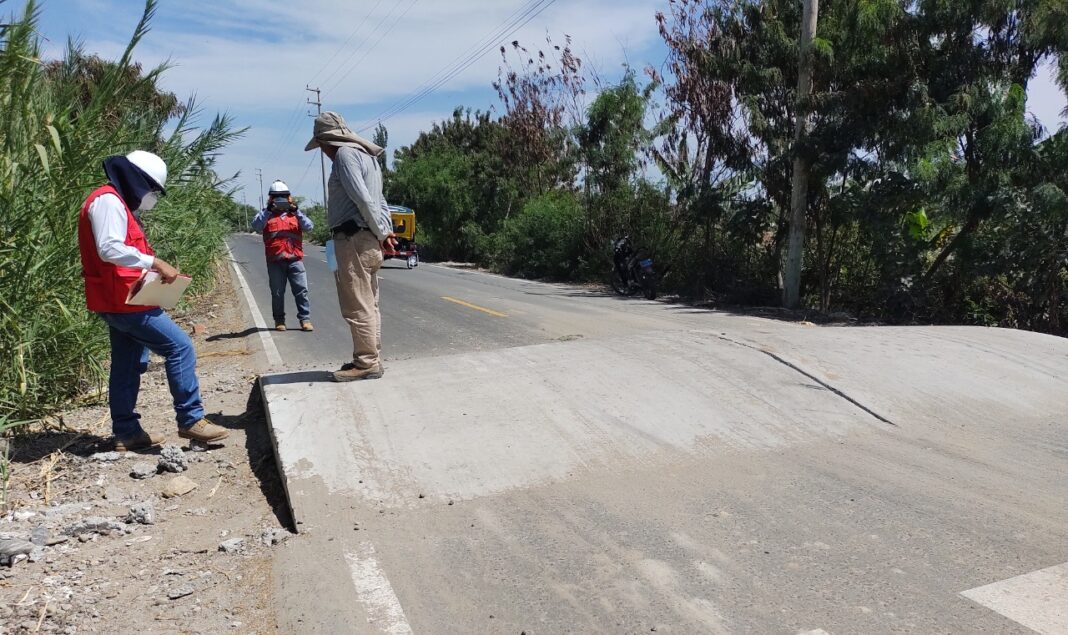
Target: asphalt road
<point x="433" y="310"/>
<point x="549" y="459"/>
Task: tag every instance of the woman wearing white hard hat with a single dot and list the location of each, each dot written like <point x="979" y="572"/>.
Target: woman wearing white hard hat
<point x="115" y="253"/>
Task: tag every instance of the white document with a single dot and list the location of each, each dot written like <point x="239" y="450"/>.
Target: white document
<point x="151" y="291"/>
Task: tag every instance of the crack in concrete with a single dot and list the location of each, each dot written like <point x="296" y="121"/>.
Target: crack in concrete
<point x="801" y="371"/>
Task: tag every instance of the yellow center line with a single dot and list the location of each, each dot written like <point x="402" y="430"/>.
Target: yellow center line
<point x="474" y="306"/>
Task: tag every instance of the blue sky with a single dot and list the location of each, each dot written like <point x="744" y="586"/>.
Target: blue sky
<point x="253" y="59"/>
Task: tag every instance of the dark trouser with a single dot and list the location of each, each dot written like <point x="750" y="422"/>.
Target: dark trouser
<point x="132" y="336"/>
<point x="279" y="272"/>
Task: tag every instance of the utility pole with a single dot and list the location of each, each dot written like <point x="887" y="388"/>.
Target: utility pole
<point x="791" y="292"/>
<point x="260" y="173"/>
<point x="244" y="208"/>
<point x="318" y="103"/>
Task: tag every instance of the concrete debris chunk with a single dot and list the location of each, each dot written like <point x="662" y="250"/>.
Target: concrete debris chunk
<point x="95" y="525"/>
<point x="142" y="514"/>
<point x="272" y="537"/>
<point x="40" y="536"/>
<point x="234" y="545"/>
<point x="114" y="494"/>
<point x="106" y="457"/>
<point x="172" y="459"/>
<point x="179" y="486"/>
<point x="143" y="470"/>
<point x="180" y="592"/>
<point x="11" y="547"/>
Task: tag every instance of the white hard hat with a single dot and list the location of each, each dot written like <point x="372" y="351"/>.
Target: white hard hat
<point x="278" y="187"/>
<point x="151" y="165"/>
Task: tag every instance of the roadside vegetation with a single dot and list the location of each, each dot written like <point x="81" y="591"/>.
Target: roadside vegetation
<point x="934" y="195"/>
<point x="58" y="121"/>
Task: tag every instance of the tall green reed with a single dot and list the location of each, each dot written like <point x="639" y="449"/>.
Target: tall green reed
<point x="58" y="121"/>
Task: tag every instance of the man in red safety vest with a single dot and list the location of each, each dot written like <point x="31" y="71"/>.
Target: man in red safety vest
<point x="283" y="226"/>
<point x="115" y="254"/>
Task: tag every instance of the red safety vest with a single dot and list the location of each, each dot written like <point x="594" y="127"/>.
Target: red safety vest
<point x="107" y="285"/>
<point x="282" y="238"/>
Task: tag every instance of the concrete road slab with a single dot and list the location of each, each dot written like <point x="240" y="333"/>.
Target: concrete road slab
<point x="460" y="427"/>
<point x="782" y="481"/>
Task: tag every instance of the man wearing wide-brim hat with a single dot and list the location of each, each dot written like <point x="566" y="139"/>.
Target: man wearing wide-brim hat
<point x="360" y="223"/>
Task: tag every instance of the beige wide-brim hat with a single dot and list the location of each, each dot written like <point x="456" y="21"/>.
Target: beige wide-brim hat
<point x="331" y="129"/>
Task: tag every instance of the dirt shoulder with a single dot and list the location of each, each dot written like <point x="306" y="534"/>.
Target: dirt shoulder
<point x="112" y="553"/>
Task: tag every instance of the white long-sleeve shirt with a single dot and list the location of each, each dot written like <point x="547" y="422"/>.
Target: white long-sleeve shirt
<point x="107" y="215"/>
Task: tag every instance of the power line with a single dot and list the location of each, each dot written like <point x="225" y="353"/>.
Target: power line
<point x="487" y="39"/>
<point x="347" y="64"/>
<point x="293" y="121"/>
<point x="291" y="127"/>
<point x="366" y="20"/>
<point x="419" y="96"/>
<point x="293" y="124"/>
<point x="300" y="183"/>
<point x="372" y="47"/>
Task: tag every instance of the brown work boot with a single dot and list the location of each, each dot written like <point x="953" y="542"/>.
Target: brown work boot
<point x="141" y="441"/>
<point x="357" y="374"/>
<point x="306" y="326"/>
<point x="204" y="431"/>
<point x="280" y="326"/>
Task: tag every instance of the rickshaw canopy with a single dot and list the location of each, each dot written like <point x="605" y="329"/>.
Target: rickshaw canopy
<point x="403" y="222"/>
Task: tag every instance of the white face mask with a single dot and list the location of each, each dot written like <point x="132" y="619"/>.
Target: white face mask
<point x="148" y="202"/>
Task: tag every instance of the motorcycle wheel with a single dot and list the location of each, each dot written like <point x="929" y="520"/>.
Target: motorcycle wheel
<point x="620" y="287"/>
<point x="649" y="287"/>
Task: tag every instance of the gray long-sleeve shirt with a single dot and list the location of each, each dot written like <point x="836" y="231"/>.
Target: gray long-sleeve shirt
<point x="355" y="189"/>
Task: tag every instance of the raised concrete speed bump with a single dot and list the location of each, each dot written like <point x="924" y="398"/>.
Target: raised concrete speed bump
<point x="466" y="426"/>
<point x="765" y="478"/>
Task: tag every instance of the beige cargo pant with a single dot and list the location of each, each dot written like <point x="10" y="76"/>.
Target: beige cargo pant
<point x="359" y="257"/>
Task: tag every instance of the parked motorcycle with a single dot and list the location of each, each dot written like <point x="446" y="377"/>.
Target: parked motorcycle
<point x="632" y="271"/>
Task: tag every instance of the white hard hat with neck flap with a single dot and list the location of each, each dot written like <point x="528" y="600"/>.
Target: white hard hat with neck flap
<point x="153" y="167"/>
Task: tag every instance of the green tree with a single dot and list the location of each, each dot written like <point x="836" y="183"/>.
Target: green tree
<point x="381" y="139"/>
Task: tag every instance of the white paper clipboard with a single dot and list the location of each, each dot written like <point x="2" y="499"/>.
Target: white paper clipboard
<point x="150" y="291"/>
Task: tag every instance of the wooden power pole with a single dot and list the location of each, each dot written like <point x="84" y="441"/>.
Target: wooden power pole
<point x="791" y="292"/>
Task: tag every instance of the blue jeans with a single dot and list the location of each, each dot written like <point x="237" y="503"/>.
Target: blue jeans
<point x="278" y="273"/>
<point x="133" y="335"/>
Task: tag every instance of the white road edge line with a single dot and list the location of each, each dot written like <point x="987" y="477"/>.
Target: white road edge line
<point x="1036" y="600"/>
<point x="376" y="593"/>
<point x="274" y="359"/>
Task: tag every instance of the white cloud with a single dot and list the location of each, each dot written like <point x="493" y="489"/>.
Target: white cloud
<point x="253" y="58"/>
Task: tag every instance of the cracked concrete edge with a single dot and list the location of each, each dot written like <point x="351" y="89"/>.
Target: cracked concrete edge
<point x="262" y="364"/>
<point x="298" y="519"/>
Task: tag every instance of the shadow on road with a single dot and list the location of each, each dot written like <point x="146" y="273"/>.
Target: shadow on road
<point x="233" y="336"/>
<point x="303" y="377"/>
